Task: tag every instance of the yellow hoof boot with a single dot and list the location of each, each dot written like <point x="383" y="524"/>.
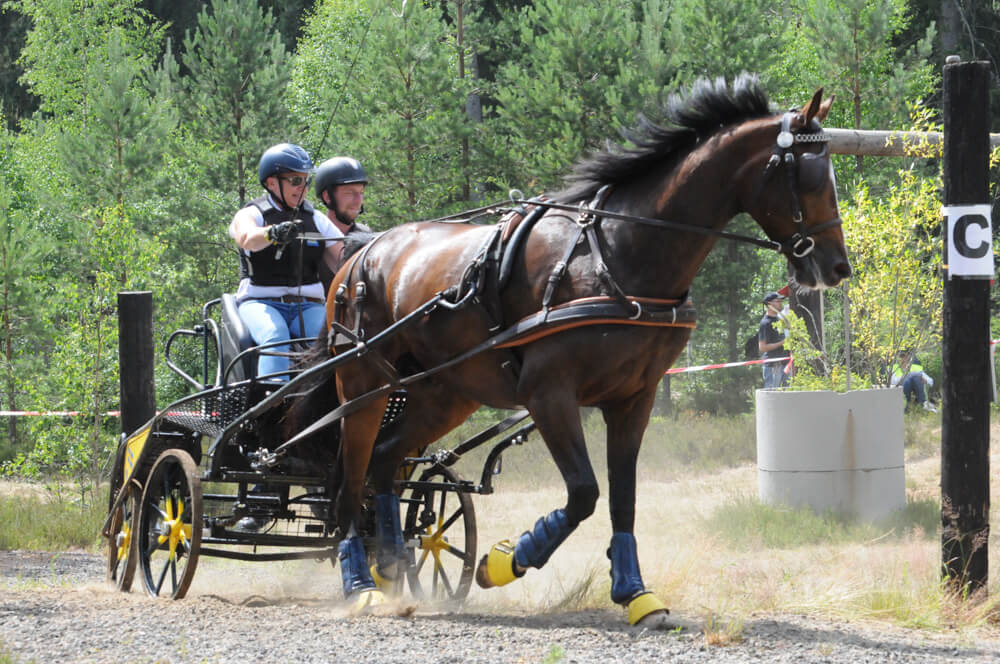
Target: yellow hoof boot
<point x="643" y="605"/>
<point x="381" y="582"/>
<point x="497" y="567"/>
<point x="367" y="600"/>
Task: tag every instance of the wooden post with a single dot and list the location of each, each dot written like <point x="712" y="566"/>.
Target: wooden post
<point x="135" y="357"/>
<point x="965" y="459"/>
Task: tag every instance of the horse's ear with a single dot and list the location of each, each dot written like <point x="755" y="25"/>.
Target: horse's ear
<point x="817" y="108"/>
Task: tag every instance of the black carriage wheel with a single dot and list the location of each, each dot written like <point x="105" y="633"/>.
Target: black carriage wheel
<point x="121" y="544"/>
<point x="443" y="523"/>
<point x="168" y="535"/>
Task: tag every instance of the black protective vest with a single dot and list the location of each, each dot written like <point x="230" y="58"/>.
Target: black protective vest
<point x="266" y="267"/>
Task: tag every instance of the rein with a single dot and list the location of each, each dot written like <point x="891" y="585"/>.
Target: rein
<point x="799" y="245"/>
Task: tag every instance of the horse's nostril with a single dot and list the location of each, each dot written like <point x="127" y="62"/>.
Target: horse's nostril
<point x="843" y="269"/>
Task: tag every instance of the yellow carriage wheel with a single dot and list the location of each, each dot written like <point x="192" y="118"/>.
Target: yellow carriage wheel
<point x="168" y="536"/>
<point x="120" y="545"/>
<point x="440" y="526"/>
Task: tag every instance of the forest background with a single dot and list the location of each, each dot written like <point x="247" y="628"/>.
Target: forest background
<point x="130" y="134"/>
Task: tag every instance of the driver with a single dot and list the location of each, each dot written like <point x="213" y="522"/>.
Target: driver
<point x="280" y="296"/>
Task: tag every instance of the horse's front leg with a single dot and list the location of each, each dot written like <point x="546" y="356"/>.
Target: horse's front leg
<point x="557" y="417"/>
<point x="626" y="424"/>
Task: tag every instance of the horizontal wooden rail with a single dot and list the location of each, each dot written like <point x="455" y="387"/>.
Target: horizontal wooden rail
<point x="865" y="142"/>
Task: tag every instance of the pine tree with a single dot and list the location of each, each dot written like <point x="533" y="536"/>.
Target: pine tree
<point x="238" y="71"/>
<point x="400" y="110"/>
<point x="561" y="96"/>
<point x="118" y="148"/>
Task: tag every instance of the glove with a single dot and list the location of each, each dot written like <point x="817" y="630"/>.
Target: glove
<point x="282" y="233"/>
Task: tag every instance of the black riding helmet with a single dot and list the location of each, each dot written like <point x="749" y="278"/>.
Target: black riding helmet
<point x="283" y="158"/>
<point x="337" y="171"/>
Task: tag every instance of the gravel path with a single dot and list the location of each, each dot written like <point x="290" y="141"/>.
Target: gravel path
<point x="57" y="608"/>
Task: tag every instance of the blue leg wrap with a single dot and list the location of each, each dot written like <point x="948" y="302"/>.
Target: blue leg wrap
<point x="354" y="566"/>
<point x="535" y="546"/>
<point x="626" y="581"/>
<point x="388" y="531"/>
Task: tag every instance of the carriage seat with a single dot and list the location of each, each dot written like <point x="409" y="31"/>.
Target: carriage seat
<point x="234" y="339"/>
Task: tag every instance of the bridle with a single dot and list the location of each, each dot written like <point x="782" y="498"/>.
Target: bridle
<point x="801" y="243"/>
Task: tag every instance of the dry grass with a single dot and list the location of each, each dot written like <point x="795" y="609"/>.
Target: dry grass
<point x="890" y="575"/>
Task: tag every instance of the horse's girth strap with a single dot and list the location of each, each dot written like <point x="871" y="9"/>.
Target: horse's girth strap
<point x="601" y="310"/>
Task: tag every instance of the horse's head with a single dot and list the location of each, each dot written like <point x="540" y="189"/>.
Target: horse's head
<point x="795" y="197"/>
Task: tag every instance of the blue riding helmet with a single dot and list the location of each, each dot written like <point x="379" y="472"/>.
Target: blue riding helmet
<point x="283" y="158"/>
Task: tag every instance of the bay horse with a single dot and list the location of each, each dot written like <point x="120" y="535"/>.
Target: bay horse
<point x="723" y="151"/>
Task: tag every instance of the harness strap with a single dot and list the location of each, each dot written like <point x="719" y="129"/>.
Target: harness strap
<point x="559" y="271"/>
<point x="600" y="310"/>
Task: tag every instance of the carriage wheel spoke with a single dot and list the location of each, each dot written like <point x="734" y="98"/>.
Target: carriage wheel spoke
<point x="163" y="576"/>
<point x="423" y="559"/>
<point x="442" y="575"/>
<point x="451" y="520"/>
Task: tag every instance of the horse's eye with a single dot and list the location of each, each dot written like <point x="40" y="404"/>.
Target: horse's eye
<point x="814" y="171"/>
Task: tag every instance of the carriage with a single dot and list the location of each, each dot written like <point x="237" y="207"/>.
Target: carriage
<point x="576" y="299"/>
<point x="182" y="484"/>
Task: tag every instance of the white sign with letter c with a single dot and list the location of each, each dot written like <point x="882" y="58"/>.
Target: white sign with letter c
<point x="970" y="241"/>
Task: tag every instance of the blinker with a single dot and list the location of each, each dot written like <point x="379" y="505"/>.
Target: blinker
<point x="814" y="170"/>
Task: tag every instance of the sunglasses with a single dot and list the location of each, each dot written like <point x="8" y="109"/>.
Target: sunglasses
<point x="295" y="180"/>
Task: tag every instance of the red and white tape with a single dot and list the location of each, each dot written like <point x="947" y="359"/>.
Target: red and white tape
<point x="675" y="370"/>
<point x="726" y="365"/>
<point x="52" y="413"/>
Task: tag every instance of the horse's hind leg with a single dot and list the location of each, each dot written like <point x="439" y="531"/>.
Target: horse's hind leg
<point x="557" y="417"/>
<point x="431" y="412"/>
<point x="626" y="424"/>
<point x="358" y="432"/>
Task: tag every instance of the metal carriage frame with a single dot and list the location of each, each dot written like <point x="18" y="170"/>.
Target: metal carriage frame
<point x="181" y="483"/>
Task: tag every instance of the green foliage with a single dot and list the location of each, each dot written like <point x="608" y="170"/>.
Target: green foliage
<point x="852" y="41"/>
<point x="400" y="110"/>
<point x="702" y="34"/>
<point x="155" y="142"/>
<point x="895" y="292"/>
<point x="234" y="92"/>
<point x="120" y="145"/>
<point x="555" y="654"/>
<point x="562" y="96"/>
<point x="86" y="353"/>
<point x="814" y="370"/>
<point x="68" y="39"/>
<point x="22" y="253"/>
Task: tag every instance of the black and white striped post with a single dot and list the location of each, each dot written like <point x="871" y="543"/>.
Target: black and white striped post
<point x="965" y="458"/>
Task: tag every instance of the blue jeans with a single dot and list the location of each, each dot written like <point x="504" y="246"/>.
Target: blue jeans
<point x="913" y="386"/>
<point x="271" y="320"/>
<point x="774" y="375"/>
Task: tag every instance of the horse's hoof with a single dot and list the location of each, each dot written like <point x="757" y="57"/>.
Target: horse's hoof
<point x="646" y="610"/>
<point x="497" y="567"/>
<point x="366" y="600"/>
<point x="383" y="583"/>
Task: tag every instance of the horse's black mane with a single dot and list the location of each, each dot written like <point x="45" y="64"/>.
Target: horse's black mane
<point x="707" y="107"/>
